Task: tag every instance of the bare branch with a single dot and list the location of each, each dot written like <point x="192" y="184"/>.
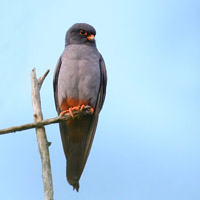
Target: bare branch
<point x="43" y="144"/>
<point x="66" y="117"/>
<point x="41" y="79"/>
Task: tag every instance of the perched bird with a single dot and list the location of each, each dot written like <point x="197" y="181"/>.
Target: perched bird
<point x="80" y="79"/>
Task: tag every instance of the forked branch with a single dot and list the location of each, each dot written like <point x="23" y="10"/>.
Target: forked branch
<point x="39" y="124"/>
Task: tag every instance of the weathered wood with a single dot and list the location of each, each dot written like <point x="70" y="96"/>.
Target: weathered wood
<point x="41" y="136"/>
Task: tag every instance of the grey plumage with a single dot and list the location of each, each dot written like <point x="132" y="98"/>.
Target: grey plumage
<point x="80" y="77"/>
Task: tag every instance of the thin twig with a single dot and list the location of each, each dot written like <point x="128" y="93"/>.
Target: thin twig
<point x="41" y="79"/>
<point x="66" y="117"/>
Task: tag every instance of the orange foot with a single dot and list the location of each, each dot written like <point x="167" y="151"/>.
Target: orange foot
<point x="83" y="106"/>
<point x="71" y="109"/>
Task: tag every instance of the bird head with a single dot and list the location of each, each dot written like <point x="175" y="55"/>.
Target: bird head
<point x="81" y="33"/>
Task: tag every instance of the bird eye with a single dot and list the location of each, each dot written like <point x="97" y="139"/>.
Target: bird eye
<point x="82" y="32"/>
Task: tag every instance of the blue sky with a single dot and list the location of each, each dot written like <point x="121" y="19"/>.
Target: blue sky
<point x="147" y="142"/>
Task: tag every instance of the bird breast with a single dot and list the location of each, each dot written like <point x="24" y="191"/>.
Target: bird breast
<point x="79" y="76"/>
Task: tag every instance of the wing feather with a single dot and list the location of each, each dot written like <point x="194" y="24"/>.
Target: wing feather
<point x="98" y="107"/>
<point x="55" y="83"/>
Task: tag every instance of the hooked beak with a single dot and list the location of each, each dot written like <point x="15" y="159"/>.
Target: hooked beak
<point x="90" y="37"/>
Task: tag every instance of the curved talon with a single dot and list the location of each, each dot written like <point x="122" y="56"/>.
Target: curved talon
<point x="92" y="110"/>
<point x="82" y="107"/>
<point x="71" y="112"/>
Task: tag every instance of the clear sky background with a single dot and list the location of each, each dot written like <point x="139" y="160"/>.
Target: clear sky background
<point x="147" y="144"/>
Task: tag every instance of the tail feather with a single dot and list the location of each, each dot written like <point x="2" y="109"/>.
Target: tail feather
<point x="75" y="136"/>
<point x="76" y="186"/>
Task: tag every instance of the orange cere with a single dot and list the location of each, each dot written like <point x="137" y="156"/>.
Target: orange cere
<point x="90" y="37"/>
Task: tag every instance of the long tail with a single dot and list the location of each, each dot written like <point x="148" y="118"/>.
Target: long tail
<point x="77" y="136"/>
